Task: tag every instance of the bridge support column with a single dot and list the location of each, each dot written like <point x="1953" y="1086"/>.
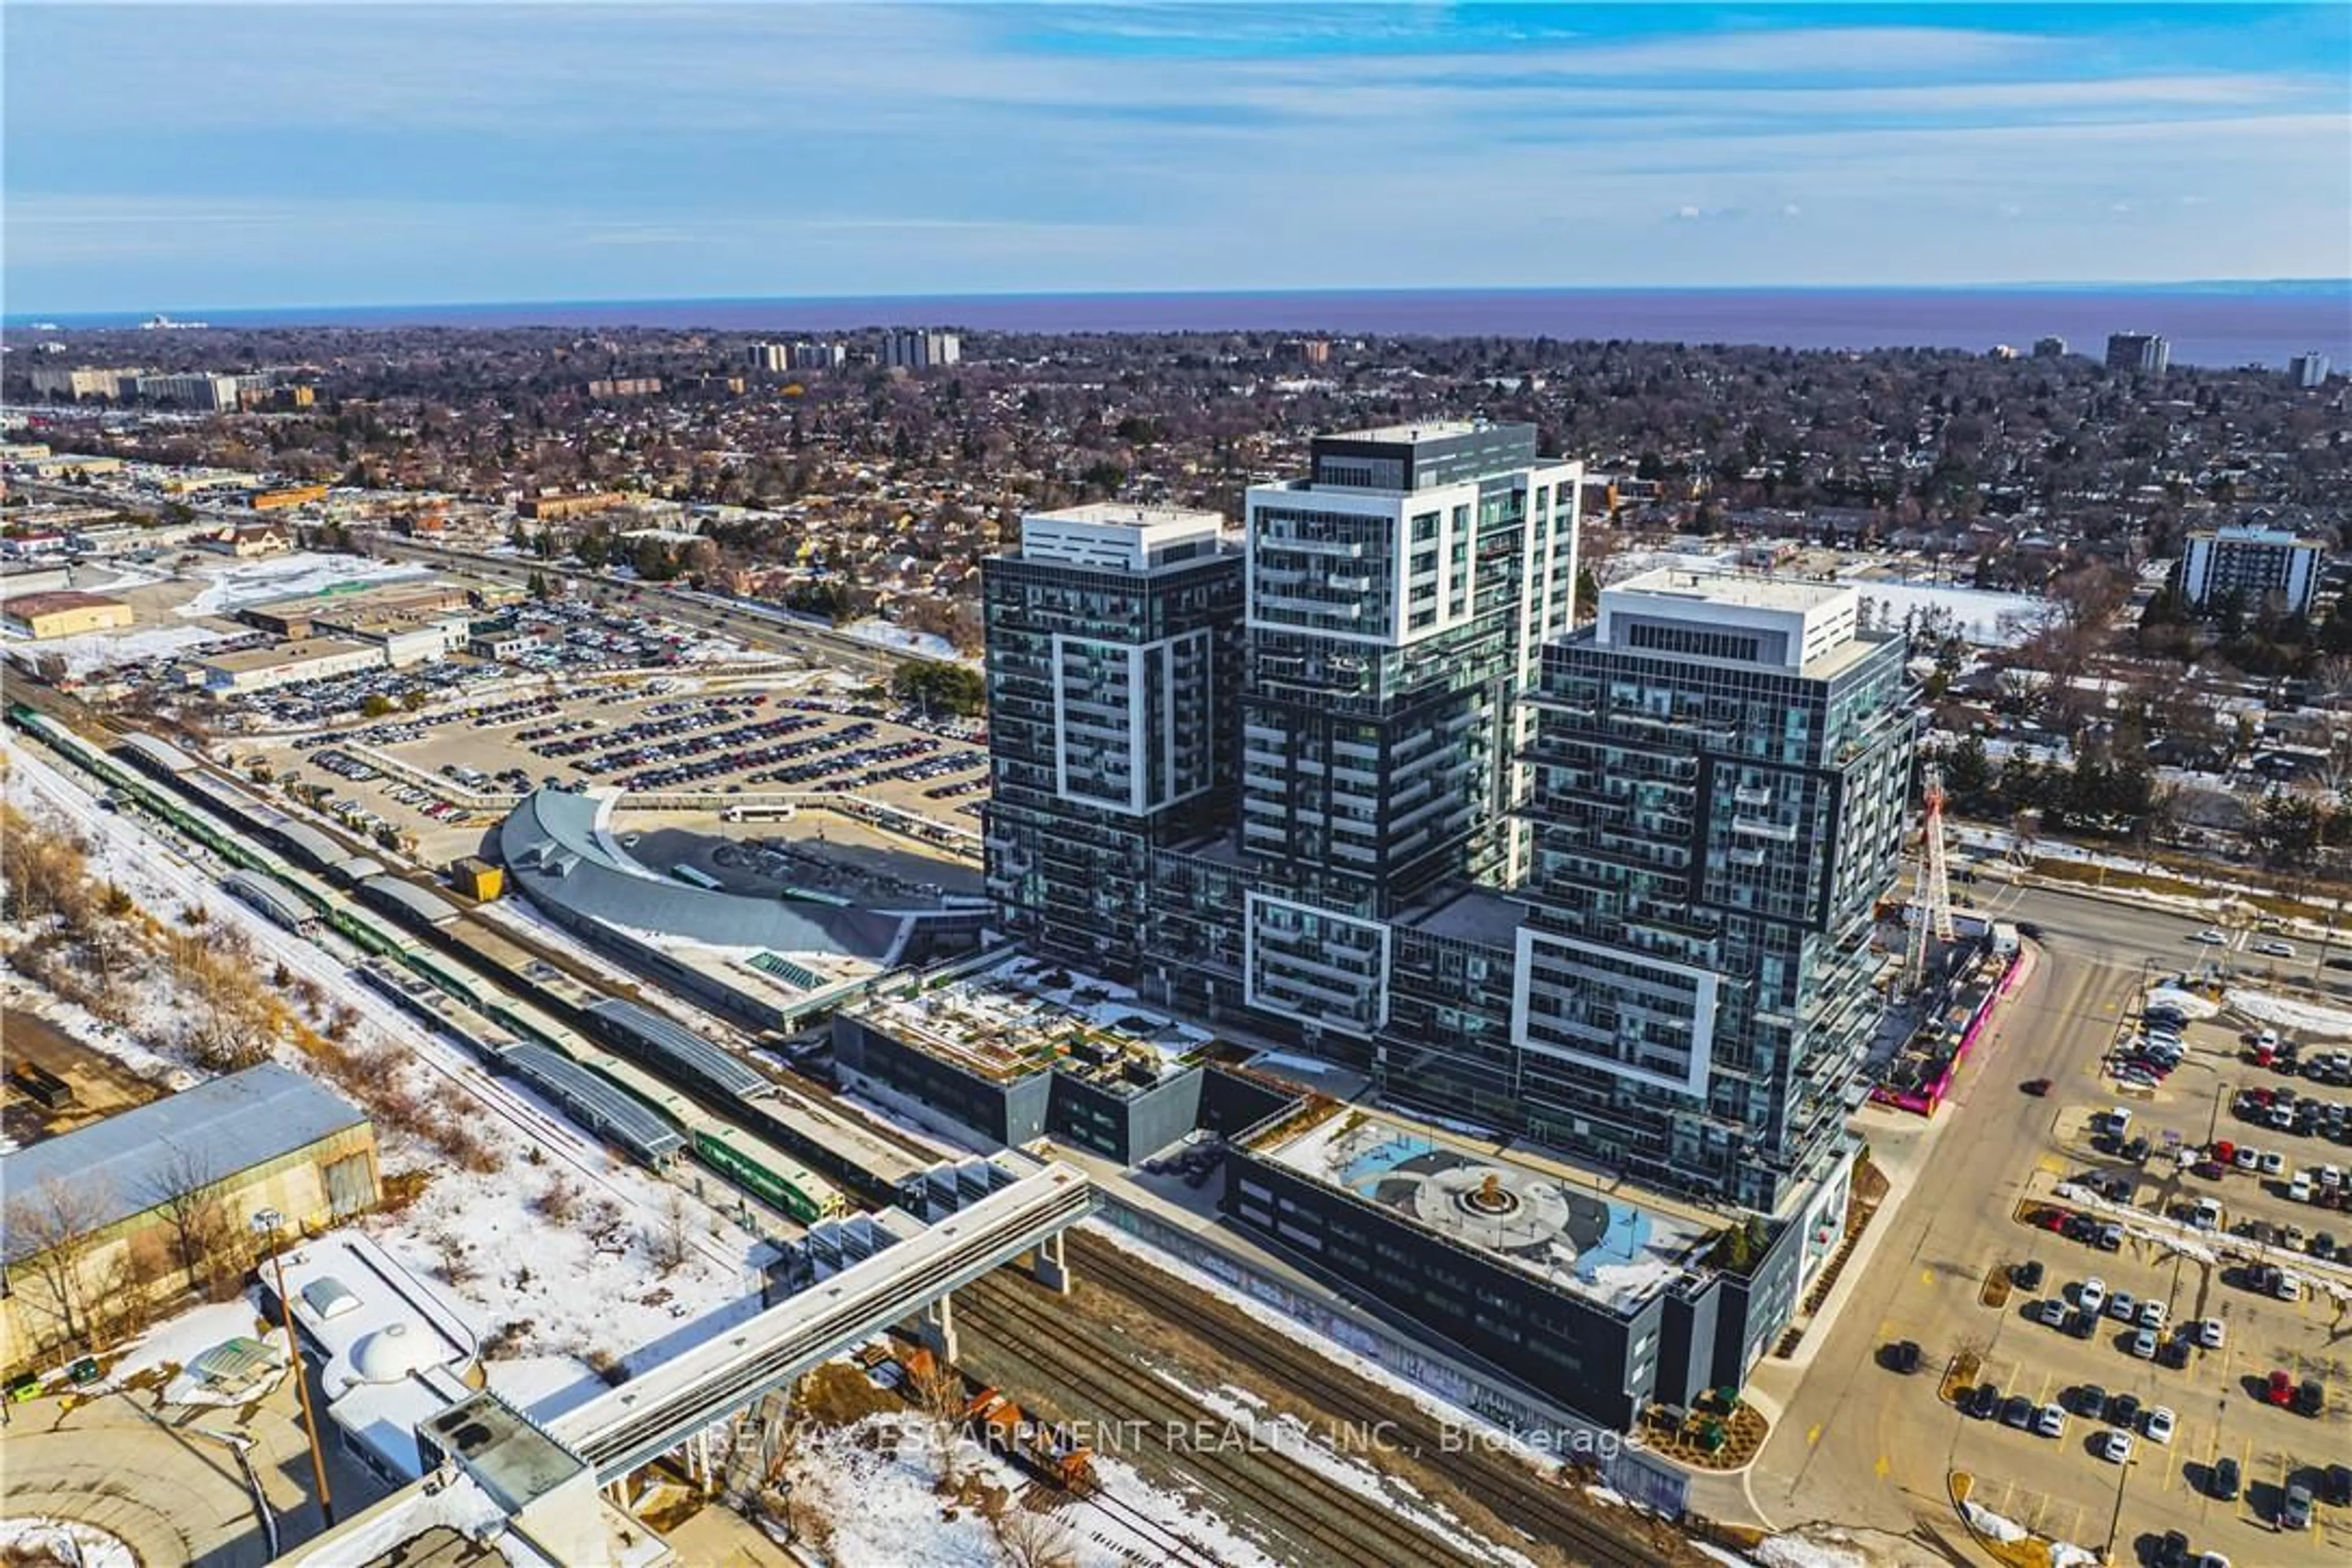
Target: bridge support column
<point x="702" y="1473"/>
<point x="938" y="1330"/>
<point x="1051" y="1265"/>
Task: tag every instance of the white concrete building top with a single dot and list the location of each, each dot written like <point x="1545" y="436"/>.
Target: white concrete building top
<point x="1118" y="536"/>
<point x="1790" y="624"/>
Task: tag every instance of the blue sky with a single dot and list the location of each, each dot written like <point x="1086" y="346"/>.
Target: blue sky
<point x="203" y="154"/>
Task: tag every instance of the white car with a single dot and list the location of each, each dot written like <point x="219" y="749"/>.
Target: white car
<point x="2273" y="1162"/>
<point x="2152" y="1313"/>
<point x="2050" y="1421"/>
<point x="2212" y="937"/>
<point x="2091" y="1294"/>
<point x="2143" y="1345"/>
<point x="2157" y="1424"/>
<point x="2208" y="1214"/>
<point x="2114" y="1446"/>
<point x="2275" y="949"/>
<point x="2247" y="1159"/>
<point x="2122" y="1307"/>
<point x="2210" y="1333"/>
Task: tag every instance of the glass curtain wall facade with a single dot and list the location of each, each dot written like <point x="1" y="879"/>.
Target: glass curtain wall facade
<point x="1712" y="831"/>
<point x="1113" y="658"/>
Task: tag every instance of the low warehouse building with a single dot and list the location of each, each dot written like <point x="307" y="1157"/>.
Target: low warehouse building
<point x="63" y="613"/>
<point x="288" y="664"/>
<point x="107" y="1219"/>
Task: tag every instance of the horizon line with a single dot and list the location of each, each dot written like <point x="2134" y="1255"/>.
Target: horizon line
<point x="2185" y="285"/>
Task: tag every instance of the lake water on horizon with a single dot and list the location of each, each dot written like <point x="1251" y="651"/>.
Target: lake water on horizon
<point x="2207" y="326"/>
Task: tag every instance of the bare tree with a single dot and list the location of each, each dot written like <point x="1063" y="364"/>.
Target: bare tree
<point x="667" y="1241"/>
<point x="49" y="1230"/>
<point x="185" y="1185"/>
<point x="1033" y="1540"/>
<point x="940" y="1395"/>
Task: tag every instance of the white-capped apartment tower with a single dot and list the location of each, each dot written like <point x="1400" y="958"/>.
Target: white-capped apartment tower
<point x="1399" y="597"/>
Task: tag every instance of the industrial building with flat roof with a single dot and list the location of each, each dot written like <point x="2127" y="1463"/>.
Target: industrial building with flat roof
<point x="63" y="613"/>
<point x="265" y="1138"/>
<point x="286" y="664"/>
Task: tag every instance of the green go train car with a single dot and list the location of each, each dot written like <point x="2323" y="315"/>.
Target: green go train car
<point x="768" y="1173"/>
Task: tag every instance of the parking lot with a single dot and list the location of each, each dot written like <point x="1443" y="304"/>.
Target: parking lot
<point x="688" y="733"/>
<point x="2141" y="1278"/>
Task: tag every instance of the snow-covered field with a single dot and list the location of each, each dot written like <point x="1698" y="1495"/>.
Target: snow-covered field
<point x="1980" y="616"/>
<point x="575" y="1293"/>
<point x="257" y="582"/>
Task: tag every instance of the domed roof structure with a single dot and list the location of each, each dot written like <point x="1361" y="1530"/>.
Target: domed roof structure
<point x="394" y="1351"/>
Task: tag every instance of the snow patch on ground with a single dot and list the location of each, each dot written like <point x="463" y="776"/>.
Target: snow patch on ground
<point x="176" y="1343"/>
<point x="1289" y="1436"/>
<point x="2286" y="1013"/>
<point x="1802" y="1551"/>
<point x="1990" y="1525"/>
<point x="2188" y="1003"/>
<point x="882" y="634"/>
<point x="289" y="576"/>
<point x="63" y="1541"/>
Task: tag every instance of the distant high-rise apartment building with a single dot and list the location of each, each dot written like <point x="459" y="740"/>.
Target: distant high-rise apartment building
<point x="54" y="381"/>
<point x="818" y="356"/>
<point x="1113" y="655"/>
<point x="2250" y="564"/>
<point x="1314" y="351"/>
<point x="910" y="349"/>
<point x="768" y="356"/>
<point x="195" y="389"/>
<point x="2050" y="348"/>
<point x="2307" y="370"/>
<point x="2138" y="353"/>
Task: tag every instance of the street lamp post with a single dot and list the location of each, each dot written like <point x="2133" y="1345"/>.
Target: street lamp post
<point x="265" y="1223"/>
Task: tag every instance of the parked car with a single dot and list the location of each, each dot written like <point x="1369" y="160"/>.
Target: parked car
<point x="2091" y="1294"/>
<point x="1983" y="1401"/>
<point x="2143" y="1345"/>
<point x="2225" y="1478"/>
<point x="2114" y="1446"/>
<point x="2017" y="1411"/>
<point x="2027" y="1276"/>
<point x="2050" y="1421"/>
<point x="2295" y="1508"/>
<point x="2158" y="1425"/>
<point x="2280" y="1390"/>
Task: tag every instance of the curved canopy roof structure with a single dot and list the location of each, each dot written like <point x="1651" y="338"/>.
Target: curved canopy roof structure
<point x="560" y="849"/>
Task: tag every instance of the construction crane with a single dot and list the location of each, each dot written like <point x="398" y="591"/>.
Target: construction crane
<point x="1930" y="914"/>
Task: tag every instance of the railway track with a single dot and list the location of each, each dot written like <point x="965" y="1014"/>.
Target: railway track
<point x="1510" y="1487"/>
<point x="1312" y="1511"/>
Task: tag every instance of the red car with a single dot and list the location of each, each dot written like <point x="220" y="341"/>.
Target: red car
<point x="2281" y="1390"/>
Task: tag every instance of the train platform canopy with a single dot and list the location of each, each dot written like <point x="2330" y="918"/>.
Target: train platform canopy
<point x="395" y="893"/>
<point x="559" y="848"/>
<point x="635" y="1028"/>
<point x="228" y="1124"/>
<point x="157" y="753"/>
<point x="605" y="1106"/>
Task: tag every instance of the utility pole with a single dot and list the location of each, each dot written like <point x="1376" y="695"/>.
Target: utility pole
<point x="266" y="1222"/>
